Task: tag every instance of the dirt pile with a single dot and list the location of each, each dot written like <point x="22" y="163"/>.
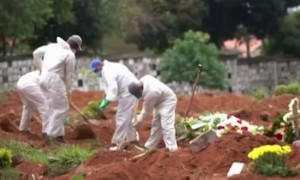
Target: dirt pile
<point x="183" y="164"/>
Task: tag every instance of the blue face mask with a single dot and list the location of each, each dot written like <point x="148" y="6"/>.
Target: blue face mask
<point x="99" y="74"/>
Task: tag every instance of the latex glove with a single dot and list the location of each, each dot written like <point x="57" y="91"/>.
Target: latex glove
<point x="104" y="104"/>
<point x="66" y="121"/>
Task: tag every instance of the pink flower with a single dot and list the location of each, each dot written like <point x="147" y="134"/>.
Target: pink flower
<point x="220" y="127"/>
<point x="244" y="128"/>
<point x="279" y="136"/>
<point x="239" y="121"/>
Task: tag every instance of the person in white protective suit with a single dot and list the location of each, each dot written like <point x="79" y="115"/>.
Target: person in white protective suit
<point x="116" y="78"/>
<point x="28" y="87"/>
<point x="160" y="98"/>
<point x="57" y="75"/>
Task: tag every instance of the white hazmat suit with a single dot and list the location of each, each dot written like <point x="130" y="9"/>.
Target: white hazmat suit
<point x="160" y="98"/>
<point x="58" y="73"/>
<point x="116" y="78"/>
<point x="28" y="87"/>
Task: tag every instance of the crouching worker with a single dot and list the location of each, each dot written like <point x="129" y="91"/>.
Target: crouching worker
<point x="160" y="98"/>
<point x="31" y="95"/>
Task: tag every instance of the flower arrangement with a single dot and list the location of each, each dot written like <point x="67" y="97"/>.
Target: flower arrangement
<point x="283" y="128"/>
<point x="270" y="160"/>
<point x="221" y="123"/>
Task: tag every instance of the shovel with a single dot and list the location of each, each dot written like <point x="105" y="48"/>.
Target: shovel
<point x="89" y="121"/>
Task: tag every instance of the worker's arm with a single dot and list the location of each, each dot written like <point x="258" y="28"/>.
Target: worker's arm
<point x="70" y="71"/>
<point x="38" y="55"/>
<point x="148" y="107"/>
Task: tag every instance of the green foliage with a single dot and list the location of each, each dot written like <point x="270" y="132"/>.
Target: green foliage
<point x="77" y="177"/>
<point x="68" y="158"/>
<point x="5" y="158"/>
<point x="260" y="93"/>
<point x="292" y="88"/>
<point x="20" y="18"/>
<point x="272" y="164"/>
<point x="29" y="153"/>
<point x="9" y="174"/>
<point x="156" y="24"/>
<point x="180" y="62"/>
<point x="91" y="109"/>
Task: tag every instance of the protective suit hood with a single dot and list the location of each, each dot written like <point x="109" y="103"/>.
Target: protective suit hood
<point x="63" y="43"/>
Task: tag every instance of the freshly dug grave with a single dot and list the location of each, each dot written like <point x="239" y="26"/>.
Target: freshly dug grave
<point x="214" y="161"/>
<point x="211" y="163"/>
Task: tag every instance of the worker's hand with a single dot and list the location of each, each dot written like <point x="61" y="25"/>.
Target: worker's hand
<point x="103" y="104"/>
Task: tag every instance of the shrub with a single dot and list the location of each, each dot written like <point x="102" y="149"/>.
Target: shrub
<point x="91" y="109"/>
<point x="270" y="160"/>
<point x="5" y="158"/>
<point x="260" y="93"/>
<point x="292" y="88"/>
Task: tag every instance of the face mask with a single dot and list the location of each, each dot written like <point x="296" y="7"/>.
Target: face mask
<point x="99" y="74"/>
<point x="139" y="95"/>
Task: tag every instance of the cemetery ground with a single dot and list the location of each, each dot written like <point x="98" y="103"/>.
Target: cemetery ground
<point x="83" y="157"/>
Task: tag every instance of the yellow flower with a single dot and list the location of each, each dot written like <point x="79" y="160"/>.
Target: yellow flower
<point x="258" y="152"/>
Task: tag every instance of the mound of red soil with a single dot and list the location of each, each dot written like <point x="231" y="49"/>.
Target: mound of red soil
<point x="182" y="164"/>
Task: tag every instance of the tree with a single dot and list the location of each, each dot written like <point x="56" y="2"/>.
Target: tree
<point x="91" y="19"/>
<point x="180" y="62"/>
<point x="157" y="23"/>
<point x="20" y="18"/>
<point x="287" y="41"/>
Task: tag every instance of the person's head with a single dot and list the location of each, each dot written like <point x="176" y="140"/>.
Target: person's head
<point x="75" y="43"/>
<point x="136" y="89"/>
<point x="96" y="65"/>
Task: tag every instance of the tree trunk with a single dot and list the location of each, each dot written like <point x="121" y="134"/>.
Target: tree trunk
<point x="3" y="45"/>
<point x="13" y="46"/>
<point x="247" y="41"/>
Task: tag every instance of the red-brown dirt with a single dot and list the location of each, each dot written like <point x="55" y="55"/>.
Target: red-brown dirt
<point x="211" y="163"/>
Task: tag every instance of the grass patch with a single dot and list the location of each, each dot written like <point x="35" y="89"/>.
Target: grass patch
<point x="79" y="176"/>
<point x="9" y="174"/>
<point x="68" y="158"/>
<point x="29" y="153"/>
<point x="57" y="159"/>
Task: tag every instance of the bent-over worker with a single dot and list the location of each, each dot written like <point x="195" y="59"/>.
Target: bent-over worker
<point x="116" y="78"/>
<point x="160" y="98"/>
<point x="57" y="74"/>
<point x="28" y="87"/>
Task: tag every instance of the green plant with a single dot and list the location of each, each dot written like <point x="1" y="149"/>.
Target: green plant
<point x="68" y="158"/>
<point x="79" y="176"/>
<point x="91" y="109"/>
<point x="292" y="88"/>
<point x="270" y="160"/>
<point x="5" y="158"/>
<point x="180" y="63"/>
<point x="9" y="174"/>
<point x="29" y="153"/>
<point x="260" y="93"/>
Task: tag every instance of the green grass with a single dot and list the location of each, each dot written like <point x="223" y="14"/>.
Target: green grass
<point x="57" y="159"/>
<point x="9" y="174"/>
<point x="29" y="153"/>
